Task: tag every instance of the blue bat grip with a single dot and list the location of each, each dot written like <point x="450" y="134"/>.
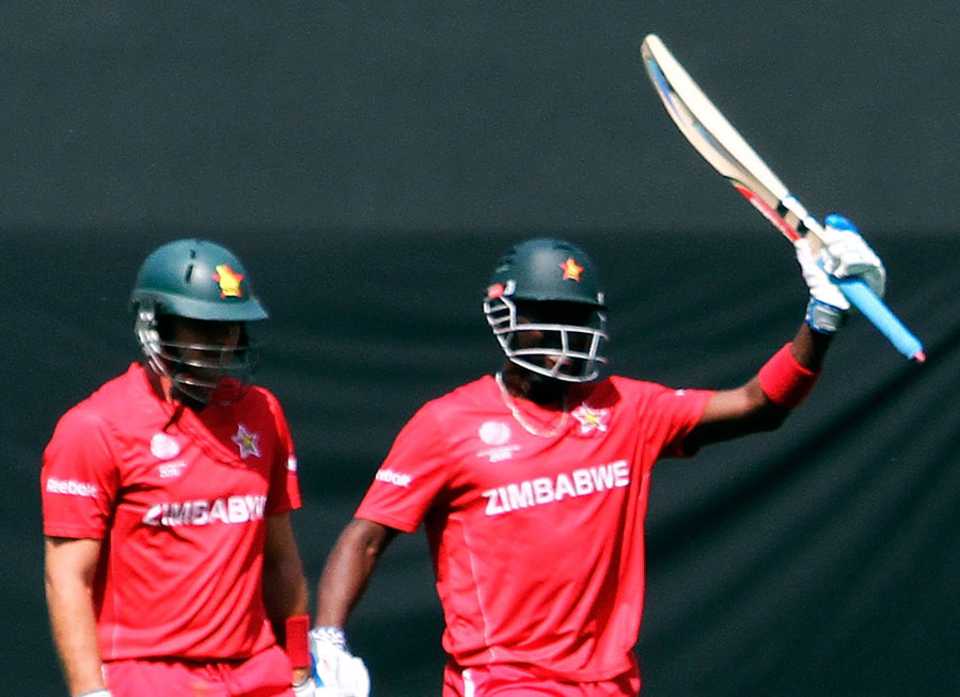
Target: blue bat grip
<point x="873" y="308"/>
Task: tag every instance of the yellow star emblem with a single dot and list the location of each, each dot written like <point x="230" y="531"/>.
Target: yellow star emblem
<point x="571" y="270"/>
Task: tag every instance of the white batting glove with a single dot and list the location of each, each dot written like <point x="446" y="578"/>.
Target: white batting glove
<point x="844" y="254"/>
<point x="336" y="672"/>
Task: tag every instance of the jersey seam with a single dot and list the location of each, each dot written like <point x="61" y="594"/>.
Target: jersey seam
<point x="111" y="561"/>
<point x="447" y="447"/>
<point x="476" y="585"/>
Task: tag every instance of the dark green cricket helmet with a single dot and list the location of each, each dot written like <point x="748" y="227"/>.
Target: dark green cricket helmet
<point x="195" y="279"/>
<point x="548" y="271"/>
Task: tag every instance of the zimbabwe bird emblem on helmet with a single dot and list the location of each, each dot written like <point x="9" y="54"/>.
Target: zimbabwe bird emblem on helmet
<point x="229" y="281"/>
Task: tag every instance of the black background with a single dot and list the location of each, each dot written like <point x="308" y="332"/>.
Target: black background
<point x="368" y="161"/>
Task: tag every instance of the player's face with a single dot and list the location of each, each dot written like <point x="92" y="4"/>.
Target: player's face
<point x="197" y="336"/>
<point x="553" y="313"/>
<point x="206" y="351"/>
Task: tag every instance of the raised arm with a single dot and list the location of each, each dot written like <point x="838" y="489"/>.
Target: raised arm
<point x="764" y="402"/>
<point x="748" y="408"/>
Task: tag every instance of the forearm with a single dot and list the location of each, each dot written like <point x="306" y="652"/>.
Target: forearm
<point x="285" y="593"/>
<point x="810" y="347"/>
<point x="348" y="568"/>
<point x="285" y="596"/>
<point x="764" y="402"/>
<point x="344" y="577"/>
<point x="72" y="620"/>
<point x="284" y="590"/>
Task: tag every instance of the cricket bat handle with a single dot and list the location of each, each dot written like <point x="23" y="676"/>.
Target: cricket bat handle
<point x="874" y="309"/>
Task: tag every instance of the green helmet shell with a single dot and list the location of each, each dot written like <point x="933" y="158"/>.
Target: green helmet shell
<point x="197" y="279"/>
<point x="546" y="269"/>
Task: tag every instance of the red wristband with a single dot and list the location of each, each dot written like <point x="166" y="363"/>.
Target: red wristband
<point x="784" y="380"/>
<point x="297" y="647"/>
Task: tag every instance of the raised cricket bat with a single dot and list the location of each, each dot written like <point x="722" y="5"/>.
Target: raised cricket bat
<point x="720" y="144"/>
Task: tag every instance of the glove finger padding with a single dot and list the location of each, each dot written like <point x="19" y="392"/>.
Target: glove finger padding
<point x="817" y="280"/>
<point x="356" y="678"/>
<point x="337" y="672"/>
<point x="845" y="254"/>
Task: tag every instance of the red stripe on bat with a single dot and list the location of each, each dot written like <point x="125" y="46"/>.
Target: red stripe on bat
<point x="767" y="212"/>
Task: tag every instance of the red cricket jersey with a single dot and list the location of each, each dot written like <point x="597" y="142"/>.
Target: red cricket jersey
<point x="537" y="542"/>
<point x="179" y="499"/>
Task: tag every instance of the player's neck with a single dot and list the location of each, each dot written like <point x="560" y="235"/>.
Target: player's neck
<point x="542" y="391"/>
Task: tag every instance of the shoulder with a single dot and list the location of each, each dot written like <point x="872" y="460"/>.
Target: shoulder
<point x="441" y="417"/>
<point x="470" y="393"/>
<point x="260" y="399"/>
<point x="640" y="388"/>
<point x="635" y="385"/>
<point x="82" y="418"/>
<point x="114" y="399"/>
<point x="98" y="409"/>
<point x="619" y="390"/>
<point x="84" y="431"/>
<point x="261" y="406"/>
<point x="468" y="397"/>
<point x="620" y="387"/>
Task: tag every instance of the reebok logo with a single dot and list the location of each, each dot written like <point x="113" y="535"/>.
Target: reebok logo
<point x="395" y="478"/>
<point x="71" y="487"/>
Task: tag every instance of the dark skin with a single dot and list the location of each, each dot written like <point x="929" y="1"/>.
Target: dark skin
<point x="729" y="414"/>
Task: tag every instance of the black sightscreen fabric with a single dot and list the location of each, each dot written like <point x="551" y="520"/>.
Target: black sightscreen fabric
<point x="369" y="161"/>
<point x="820" y="559"/>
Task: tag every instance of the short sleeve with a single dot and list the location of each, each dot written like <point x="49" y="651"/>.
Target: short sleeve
<point x="284" y="494"/>
<point x="673" y="414"/>
<point x="79" y="477"/>
<point x="415" y="472"/>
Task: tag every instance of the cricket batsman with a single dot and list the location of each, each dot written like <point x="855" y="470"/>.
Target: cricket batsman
<point x="532" y="483"/>
<point x="171" y="564"/>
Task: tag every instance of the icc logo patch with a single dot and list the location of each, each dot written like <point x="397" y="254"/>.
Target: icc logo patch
<point x="494" y="432"/>
<point x="163" y="447"/>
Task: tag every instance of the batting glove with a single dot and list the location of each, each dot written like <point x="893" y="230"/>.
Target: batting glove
<point x="307" y="688"/>
<point x="844" y="254"/>
<point x="336" y="672"/>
